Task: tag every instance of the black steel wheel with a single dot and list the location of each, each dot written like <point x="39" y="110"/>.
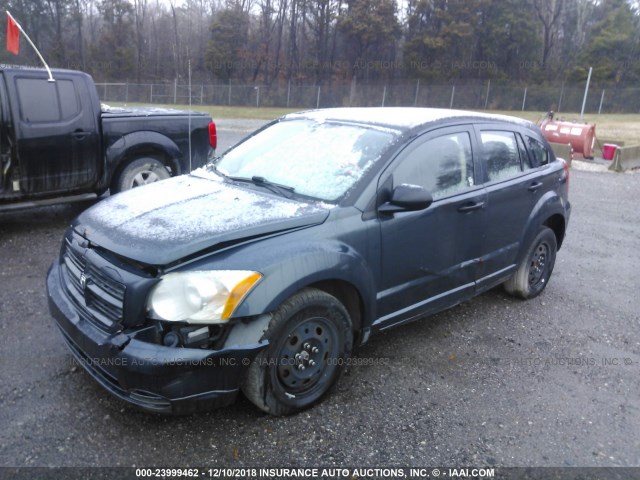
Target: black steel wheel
<point x="310" y="339"/>
<point x="534" y="271"/>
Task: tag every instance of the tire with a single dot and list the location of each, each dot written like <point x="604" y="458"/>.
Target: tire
<point x="534" y="271"/>
<point x="312" y="329"/>
<point x="140" y="172"/>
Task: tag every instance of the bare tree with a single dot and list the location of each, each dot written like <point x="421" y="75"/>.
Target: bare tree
<point x="139" y="11"/>
<point x="548" y="12"/>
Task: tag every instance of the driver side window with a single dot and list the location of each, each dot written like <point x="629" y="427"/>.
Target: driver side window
<point x="443" y="165"/>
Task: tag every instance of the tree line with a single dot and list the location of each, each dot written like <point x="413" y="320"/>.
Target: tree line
<point x="332" y="41"/>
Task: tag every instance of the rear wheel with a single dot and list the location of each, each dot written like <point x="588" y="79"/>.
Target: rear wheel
<point x="140" y="172"/>
<point x="310" y="339"/>
<point x="535" y="269"/>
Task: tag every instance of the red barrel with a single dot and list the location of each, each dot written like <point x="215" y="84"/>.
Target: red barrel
<point x="581" y="136"/>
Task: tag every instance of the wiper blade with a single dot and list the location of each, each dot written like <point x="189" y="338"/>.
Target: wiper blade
<point x="283" y="190"/>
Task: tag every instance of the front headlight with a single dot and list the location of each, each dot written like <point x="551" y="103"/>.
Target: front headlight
<point x="200" y="297"/>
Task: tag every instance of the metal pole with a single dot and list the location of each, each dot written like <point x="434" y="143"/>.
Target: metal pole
<point x="126" y="93"/>
<point x="175" y="91"/>
<point x="453" y="92"/>
<point x="561" y="95"/>
<point x="524" y="99"/>
<point x="151" y="94"/>
<point x="257" y="96"/>
<point x="352" y="93"/>
<point x="318" y="100"/>
<point x="288" y="93"/>
<point x="586" y="90"/>
<point x="189" y="118"/>
<point x="601" y="100"/>
<point x="384" y="94"/>
<point x="201" y="94"/>
<point x="415" y="100"/>
<point x="486" y="99"/>
<point x="229" y="92"/>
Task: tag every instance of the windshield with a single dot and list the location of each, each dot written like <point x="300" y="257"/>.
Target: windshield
<point x="320" y="160"/>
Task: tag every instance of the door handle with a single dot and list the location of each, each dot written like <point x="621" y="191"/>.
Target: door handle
<point x="534" y="186"/>
<point x="79" y="134"/>
<point x="471" y="207"/>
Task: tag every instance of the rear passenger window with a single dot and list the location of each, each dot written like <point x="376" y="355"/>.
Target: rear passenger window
<point x="539" y="153"/>
<point x="527" y="164"/>
<point x="68" y="99"/>
<point x="442" y="165"/>
<point x="501" y="155"/>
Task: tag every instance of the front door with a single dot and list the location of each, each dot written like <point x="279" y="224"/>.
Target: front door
<point x="429" y="257"/>
<point x="57" y="130"/>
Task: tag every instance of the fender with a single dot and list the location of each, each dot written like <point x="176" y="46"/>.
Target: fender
<point x="550" y="204"/>
<point x="295" y="266"/>
<point x="143" y="141"/>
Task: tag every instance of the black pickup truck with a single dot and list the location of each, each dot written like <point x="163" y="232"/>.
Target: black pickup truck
<point x="58" y="143"/>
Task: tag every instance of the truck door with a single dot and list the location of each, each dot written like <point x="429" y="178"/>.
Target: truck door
<point x="57" y="134"/>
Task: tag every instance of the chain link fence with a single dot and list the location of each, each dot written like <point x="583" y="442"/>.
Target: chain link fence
<point x="419" y="93"/>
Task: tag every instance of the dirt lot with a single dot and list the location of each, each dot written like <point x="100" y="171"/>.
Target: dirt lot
<point x="496" y="381"/>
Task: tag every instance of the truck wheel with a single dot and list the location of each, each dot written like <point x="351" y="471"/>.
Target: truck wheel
<point x="310" y="339"/>
<point x="534" y="271"/>
<point x="140" y="172"/>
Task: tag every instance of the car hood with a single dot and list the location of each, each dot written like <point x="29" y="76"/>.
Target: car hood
<point x="161" y="223"/>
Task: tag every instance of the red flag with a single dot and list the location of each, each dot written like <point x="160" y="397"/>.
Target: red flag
<point x="13" y="36"/>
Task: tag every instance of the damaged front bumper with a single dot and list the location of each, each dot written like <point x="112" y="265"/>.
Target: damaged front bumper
<point x="155" y="378"/>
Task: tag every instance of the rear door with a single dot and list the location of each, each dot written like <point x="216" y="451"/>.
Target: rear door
<point x="429" y="257"/>
<point x="513" y="188"/>
<point x="57" y="130"/>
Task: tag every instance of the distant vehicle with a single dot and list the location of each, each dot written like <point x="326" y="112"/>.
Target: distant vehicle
<point x="260" y="272"/>
<point x="57" y="143"/>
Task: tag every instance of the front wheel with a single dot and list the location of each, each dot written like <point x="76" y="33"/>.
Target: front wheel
<point x="534" y="271"/>
<point x="140" y="172"/>
<point x="310" y="340"/>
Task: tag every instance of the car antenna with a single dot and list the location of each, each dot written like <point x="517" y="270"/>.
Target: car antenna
<point x="189" y="123"/>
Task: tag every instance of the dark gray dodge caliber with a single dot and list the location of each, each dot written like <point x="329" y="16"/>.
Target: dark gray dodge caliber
<point x="263" y="270"/>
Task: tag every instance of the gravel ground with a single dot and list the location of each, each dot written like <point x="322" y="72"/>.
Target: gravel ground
<point x="495" y="381"/>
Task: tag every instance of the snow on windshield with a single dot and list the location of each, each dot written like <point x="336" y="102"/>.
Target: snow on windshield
<point x="321" y="160"/>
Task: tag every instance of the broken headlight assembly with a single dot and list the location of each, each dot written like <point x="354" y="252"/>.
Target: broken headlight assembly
<point x="200" y="297"/>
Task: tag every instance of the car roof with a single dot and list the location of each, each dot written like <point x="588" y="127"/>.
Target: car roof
<point x="403" y="118"/>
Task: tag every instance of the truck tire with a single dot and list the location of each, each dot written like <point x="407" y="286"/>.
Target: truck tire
<point x="140" y="172"/>
<point x="534" y="270"/>
<point x="310" y="341"/>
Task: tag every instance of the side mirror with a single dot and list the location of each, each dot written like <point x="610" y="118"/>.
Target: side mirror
<point x="407" y="198"/>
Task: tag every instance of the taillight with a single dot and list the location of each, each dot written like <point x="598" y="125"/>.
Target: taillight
<point x="213" y="135"/>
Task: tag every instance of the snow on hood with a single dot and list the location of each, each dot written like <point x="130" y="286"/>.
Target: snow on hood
<point x="165" y="221"/>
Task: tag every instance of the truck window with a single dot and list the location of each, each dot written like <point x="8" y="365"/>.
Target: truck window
<point x="38" y="100"/>
<point x="42" y="101"/>
<point x="68" y="99"/>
